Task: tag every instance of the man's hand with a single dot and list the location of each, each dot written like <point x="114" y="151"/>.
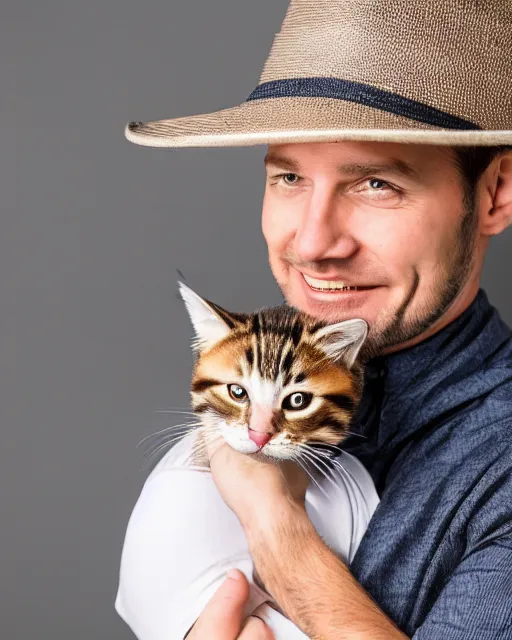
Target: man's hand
<point x="254" y="488"/>
<point x="222" y="617"/>
<point x="315" y="590"/>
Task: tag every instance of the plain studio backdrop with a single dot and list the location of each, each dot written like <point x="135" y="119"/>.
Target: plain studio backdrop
<point x="93" y="338"/>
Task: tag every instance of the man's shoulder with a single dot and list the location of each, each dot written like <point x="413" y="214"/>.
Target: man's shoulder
<point x="489" y="414"/>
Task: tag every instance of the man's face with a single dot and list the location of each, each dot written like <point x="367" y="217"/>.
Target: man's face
<point x="389" y="219"/>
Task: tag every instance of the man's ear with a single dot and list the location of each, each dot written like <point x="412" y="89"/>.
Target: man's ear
<point x="211" y="323"/>
<point x="498" y="189"/>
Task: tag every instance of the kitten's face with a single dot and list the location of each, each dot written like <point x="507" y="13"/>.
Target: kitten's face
<point x="276" y="381"/>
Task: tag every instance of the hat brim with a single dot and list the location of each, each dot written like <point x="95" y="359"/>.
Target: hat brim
<point x="295" y="120"/>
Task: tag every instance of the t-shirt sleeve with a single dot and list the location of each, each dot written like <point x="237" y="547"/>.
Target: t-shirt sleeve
<point x="180" y="542"/>
<point x="476" y="603"/>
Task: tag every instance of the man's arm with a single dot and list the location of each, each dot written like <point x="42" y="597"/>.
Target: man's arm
<point x="476" y="602"/>
<point x="313" y="587"/>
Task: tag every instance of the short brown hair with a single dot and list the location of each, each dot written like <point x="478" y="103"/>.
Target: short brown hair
<point x="473" y="161"/>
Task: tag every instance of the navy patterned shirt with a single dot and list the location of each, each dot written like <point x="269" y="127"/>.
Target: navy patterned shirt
<point x="437" y="421"/>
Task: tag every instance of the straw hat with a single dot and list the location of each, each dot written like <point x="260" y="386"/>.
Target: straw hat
<point x="424" y="71"/>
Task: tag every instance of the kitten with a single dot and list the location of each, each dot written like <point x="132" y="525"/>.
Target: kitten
<point x="275" y="383"/>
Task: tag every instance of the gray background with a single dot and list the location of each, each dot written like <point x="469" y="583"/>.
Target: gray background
<point x="93" y="338"/>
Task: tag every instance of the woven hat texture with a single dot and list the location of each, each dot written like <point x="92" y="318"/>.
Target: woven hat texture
<point x="425" y="71"/>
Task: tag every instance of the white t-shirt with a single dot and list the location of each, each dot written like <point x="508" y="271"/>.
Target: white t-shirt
<point x="182" y="539"/>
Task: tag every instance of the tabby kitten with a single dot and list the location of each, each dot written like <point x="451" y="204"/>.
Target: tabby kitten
<point x="275" y="383"/>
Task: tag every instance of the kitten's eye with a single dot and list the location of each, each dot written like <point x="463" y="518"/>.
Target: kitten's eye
<point x="237" y="392"/>
<point x="297" y="400"/>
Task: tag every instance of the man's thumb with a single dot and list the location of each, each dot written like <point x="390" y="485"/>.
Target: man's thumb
<point x="222" y="617"/>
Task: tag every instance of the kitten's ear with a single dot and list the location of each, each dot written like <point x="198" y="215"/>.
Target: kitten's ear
<point x="342" y="341"/>
<point x="211" y="323"/>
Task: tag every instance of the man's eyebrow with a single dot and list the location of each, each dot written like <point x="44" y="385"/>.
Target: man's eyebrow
<point x="283" y="162"/>
<point x="395" y="165"/>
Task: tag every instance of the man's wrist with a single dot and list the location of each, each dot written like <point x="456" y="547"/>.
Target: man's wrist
<point x="279" y="517"/>
<point x="280" y="525"/>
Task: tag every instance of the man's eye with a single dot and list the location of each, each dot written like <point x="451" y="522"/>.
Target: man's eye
<point x="377" y="184"/>
<point x="289" y="179"/>
<point x="377" y="190"/>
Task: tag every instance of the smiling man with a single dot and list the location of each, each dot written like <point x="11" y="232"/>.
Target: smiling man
<point x="388" y="171"/>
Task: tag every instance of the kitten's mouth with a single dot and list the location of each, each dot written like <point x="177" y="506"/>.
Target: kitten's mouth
<point x="332" y="285"/>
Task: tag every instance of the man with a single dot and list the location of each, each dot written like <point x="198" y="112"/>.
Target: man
<point x="388" y="170"/>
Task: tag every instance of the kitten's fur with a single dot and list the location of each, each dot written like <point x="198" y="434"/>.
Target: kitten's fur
<point x="266" y="358"/>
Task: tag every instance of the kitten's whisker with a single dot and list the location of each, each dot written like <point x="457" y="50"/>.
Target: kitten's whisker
<point x="324" y="473"/>
<point x="359" y="435"/>
<point x="160" y="446"/>
<point x="173" y="409"/>
<point x="153" y="453"/>
<point x="169" y="441"/>
<point x="189" y="412"/>
<point x="321" y="489"/>
<point x="177" y="427"/>
<point x="335" y="462"/>
<point x="175" y="437"/>
<point x="316" y="450"/>
<point x="309" y="458"/>
<point x="331" y="460"/>
<point x="325" y="445"/>
<point x="323" y="459"/>
<point x="297" y="458"/>
<point x="328" y="460"/>
<point x="341" y="467"/>
<point x="178" y="408"/>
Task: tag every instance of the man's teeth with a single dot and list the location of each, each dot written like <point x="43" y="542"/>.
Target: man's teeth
<point x="329" y="285"/>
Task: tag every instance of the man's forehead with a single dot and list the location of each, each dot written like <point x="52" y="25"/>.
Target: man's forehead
<point x="350" y="157"/>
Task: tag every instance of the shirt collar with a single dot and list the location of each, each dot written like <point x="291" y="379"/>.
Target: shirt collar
<point x="453" y="347"/>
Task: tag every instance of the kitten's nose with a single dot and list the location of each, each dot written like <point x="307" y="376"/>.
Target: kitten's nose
<point x="259" y="437"/>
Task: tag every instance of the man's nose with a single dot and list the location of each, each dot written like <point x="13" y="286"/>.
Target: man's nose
<point x="324" y="230"/>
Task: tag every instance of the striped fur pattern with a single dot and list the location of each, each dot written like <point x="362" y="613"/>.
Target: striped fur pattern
<point x="275" y="383"/>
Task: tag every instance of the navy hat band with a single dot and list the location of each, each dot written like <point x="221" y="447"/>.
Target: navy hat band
<point x="360" y="93"/>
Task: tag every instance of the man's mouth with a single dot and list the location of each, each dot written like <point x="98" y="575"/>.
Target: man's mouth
<point x="332" y="285"/>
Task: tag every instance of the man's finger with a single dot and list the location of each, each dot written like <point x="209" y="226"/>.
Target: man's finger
<point x="222" y="616"/>
<point x="256" y="629"/>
